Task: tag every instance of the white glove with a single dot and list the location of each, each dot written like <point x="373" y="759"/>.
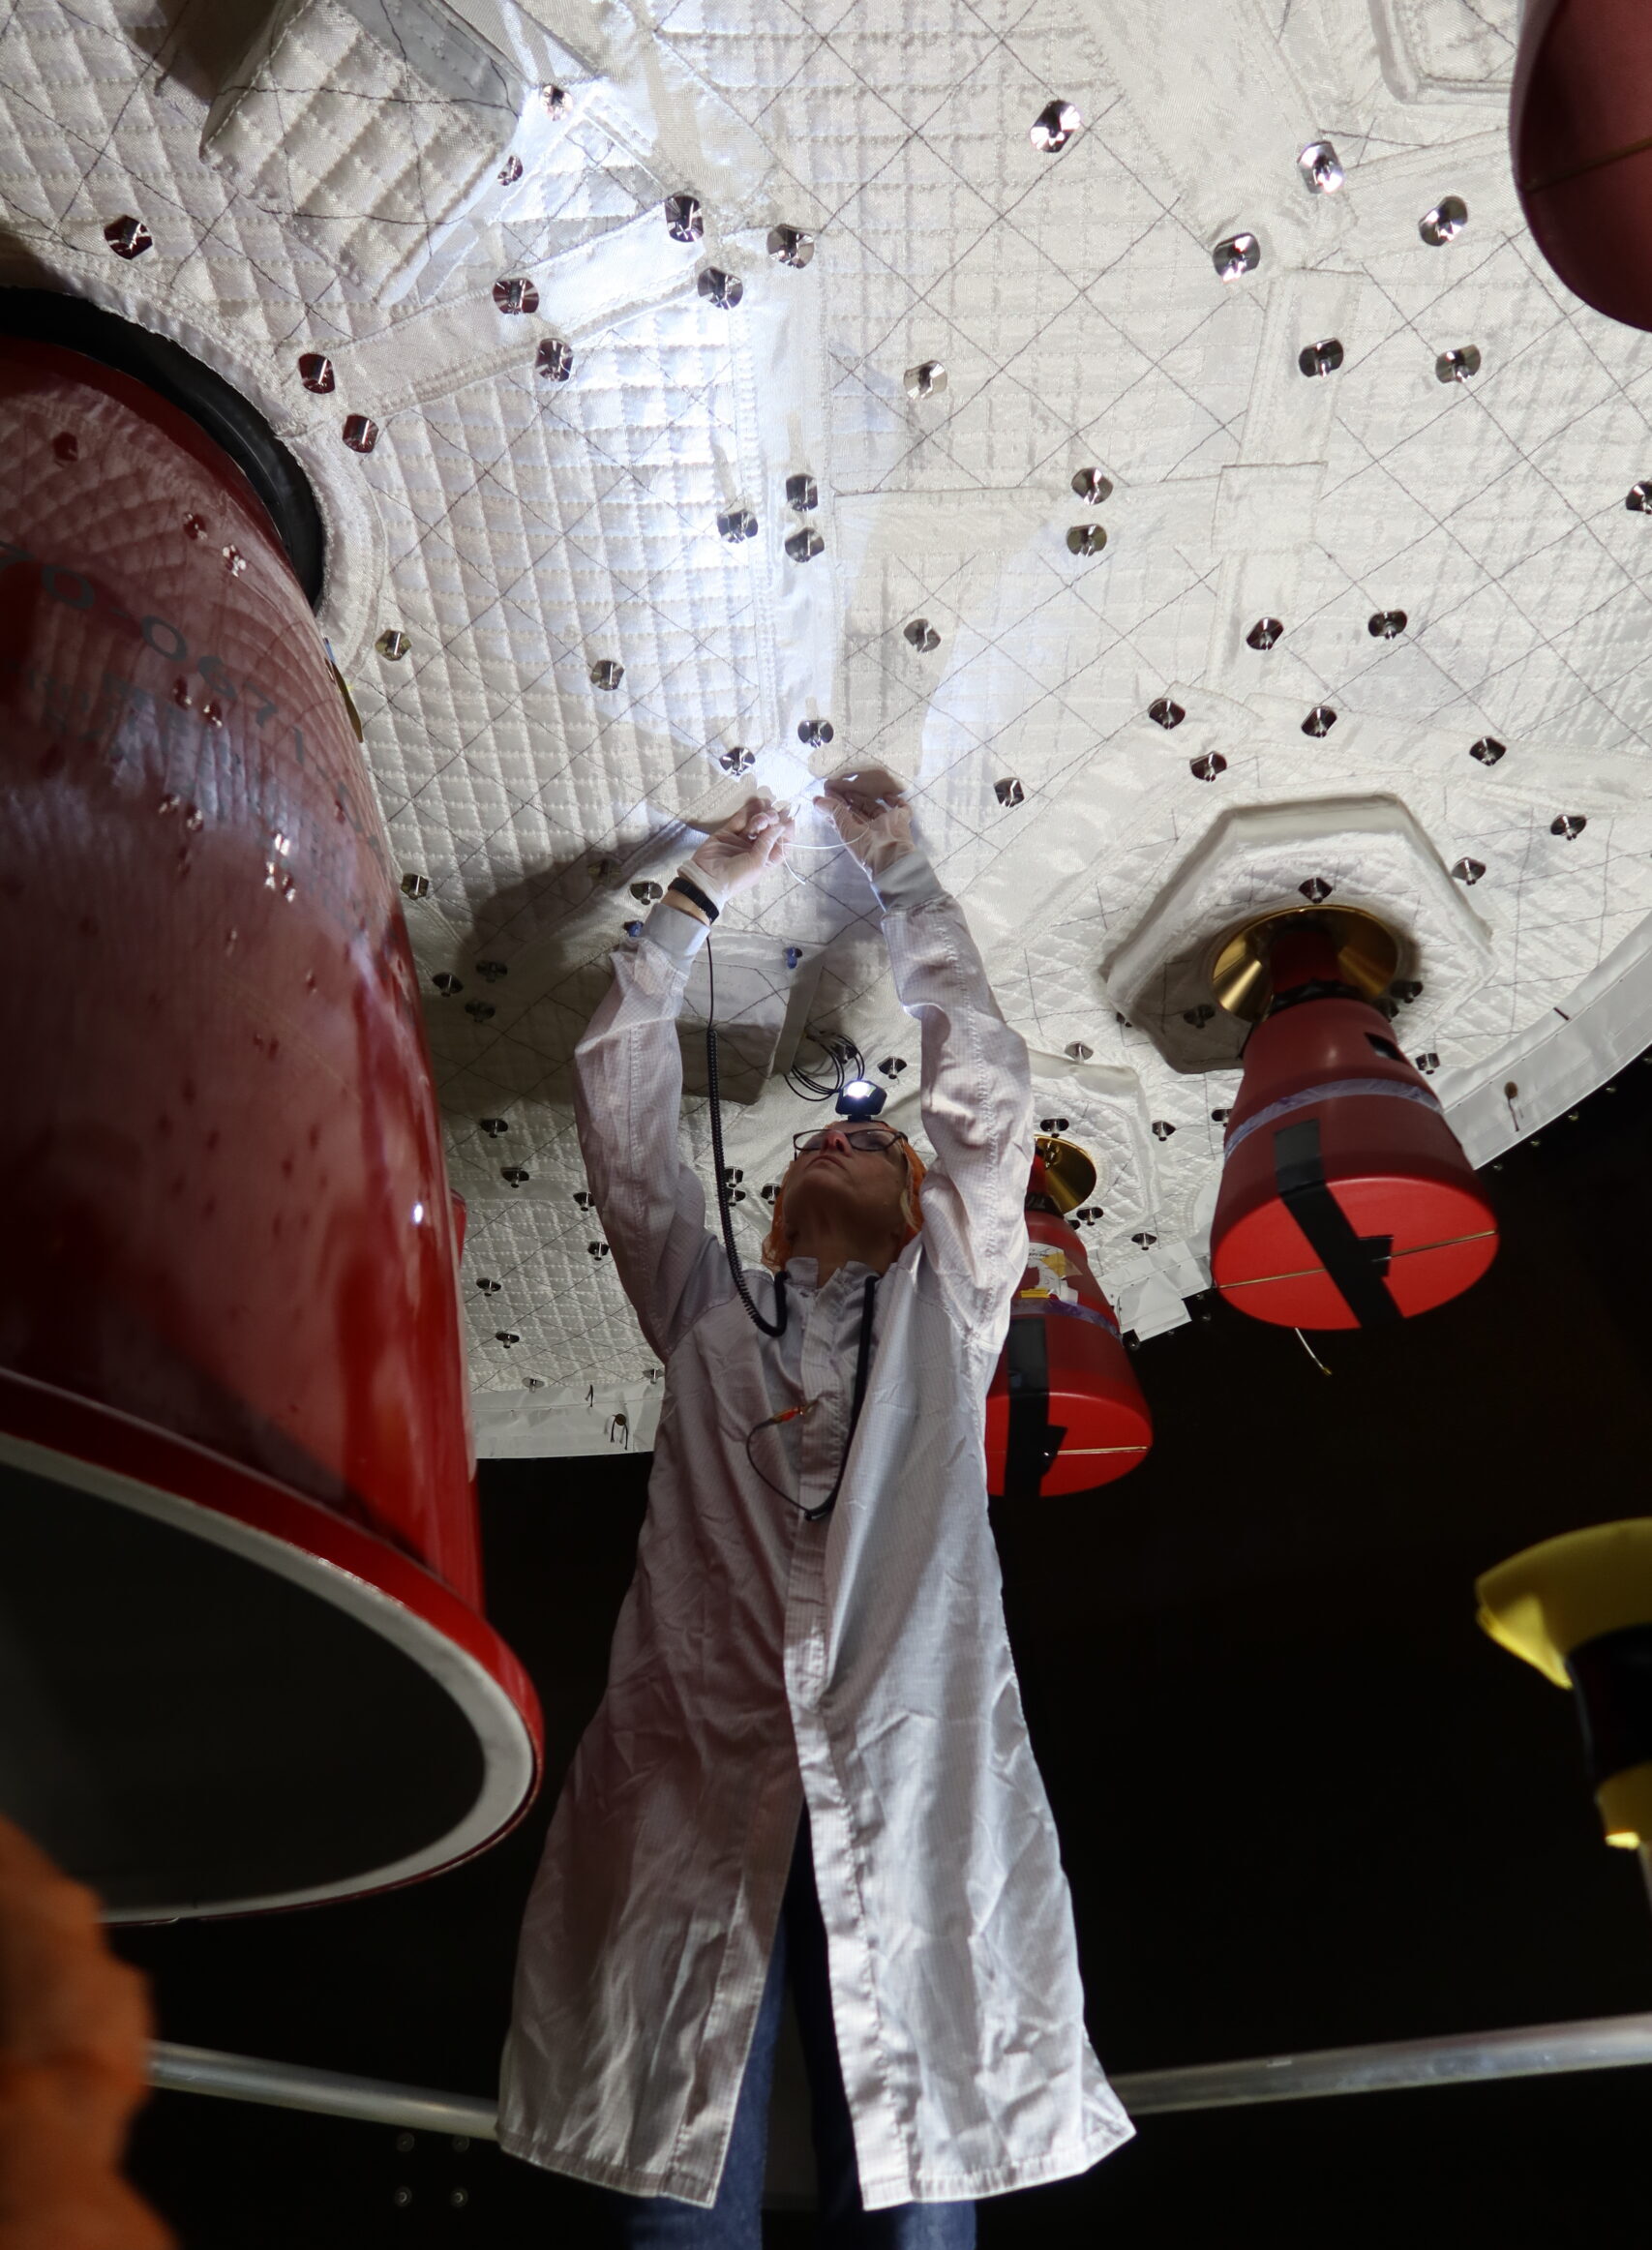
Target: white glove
<point x="872" y="816"/>
<point x="741" y="851"/>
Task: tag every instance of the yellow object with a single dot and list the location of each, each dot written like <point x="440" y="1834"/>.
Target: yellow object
<point x="1555" y="1596"/>
<point x="1068" y="1171"/>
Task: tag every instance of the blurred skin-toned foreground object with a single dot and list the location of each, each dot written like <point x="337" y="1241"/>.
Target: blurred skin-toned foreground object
<point x="1346" y="1200"/>
<point x="1579" y="1609"/>
<point x="245" y="1658"/>
<point x="1580" y="141"/>
<point x="74" y="2056"/>
<point x="1065" y="1412"/>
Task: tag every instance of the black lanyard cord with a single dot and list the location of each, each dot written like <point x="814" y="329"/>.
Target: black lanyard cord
<point x="736" y="1271"/>
<point x="858" y="1398"/>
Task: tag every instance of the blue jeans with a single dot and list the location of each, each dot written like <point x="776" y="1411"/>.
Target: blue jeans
<point x="735" y="2222"/>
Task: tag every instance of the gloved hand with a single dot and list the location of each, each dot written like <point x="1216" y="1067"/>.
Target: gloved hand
<point x="872" y="816"/>
<point x="741" y="851"/>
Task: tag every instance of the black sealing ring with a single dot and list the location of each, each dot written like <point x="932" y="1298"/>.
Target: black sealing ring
<point x="1611" y="1676"/>
<point x="229" y="419"/>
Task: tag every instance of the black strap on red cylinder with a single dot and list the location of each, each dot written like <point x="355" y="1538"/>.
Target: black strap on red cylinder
<point x="1357" y="1264"/>
<point x="1034" y="1440"/>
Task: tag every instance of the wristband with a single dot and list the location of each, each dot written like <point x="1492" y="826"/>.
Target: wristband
<point x="695" y="895"/>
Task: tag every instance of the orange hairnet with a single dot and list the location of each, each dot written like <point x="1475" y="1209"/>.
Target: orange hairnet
<point x="777" y="1242"/>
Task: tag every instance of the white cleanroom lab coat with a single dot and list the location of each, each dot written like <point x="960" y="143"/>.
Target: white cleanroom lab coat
<point x="856" y="1667"/>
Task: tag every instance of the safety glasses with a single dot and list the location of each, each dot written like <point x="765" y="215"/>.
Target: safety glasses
<point x="883" y="1137"/>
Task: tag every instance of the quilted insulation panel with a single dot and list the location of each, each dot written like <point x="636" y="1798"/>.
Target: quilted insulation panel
<point x="464" y="214"/>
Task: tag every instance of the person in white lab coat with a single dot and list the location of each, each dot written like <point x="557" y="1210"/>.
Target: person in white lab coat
<point x="811" y="1756"/>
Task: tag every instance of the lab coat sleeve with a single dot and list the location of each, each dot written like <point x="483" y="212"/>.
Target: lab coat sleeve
<point x="976" y="1093"/>
<point x="627" y="1098"/>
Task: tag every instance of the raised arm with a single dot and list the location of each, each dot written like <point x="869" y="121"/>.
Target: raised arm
<point x="628" y="1088"/>
<point x="977" y="1086"/>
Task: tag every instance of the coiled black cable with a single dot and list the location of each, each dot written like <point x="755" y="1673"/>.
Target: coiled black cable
<point x="724" y="1211"/>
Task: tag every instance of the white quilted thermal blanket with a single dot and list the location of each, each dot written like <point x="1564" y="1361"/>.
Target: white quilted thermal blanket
<point x="395" y="187"/>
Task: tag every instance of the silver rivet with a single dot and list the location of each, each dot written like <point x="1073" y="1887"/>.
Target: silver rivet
<point x="446" y="984"/>
<point x="510" y="171"/>
<point x="805" y="544"/>
<point x="1428" y="1063"/>
<point x="555" y="98"/>
<point x="1315" y="888"/>
<point x="1488" y="750"/>
<point x="553" y="361"/>
<point x="1639" y="497"/>
<point x="1163" y="1128"/>
<point x="790" y="246"/>
<point x="515" y="295"/>
<point x="1320" y="720"/>
<point x="1052" y="1125"/>
<point x="1144" y="1242"/>
<point x="1235" y="255"/>
<point x="1444" y="223"/>
<point x="1568" y="825"/>
<point x="1322" y="358"/>
<point x="893" y="1065"/>
<point x="926" y="380"/>
<point x="724" y="290"/>
<point x="1469" y="870"/>
<point x="597" y="1250"/>
<point x="1386" y="624"/>
<point x="1406" y="989"/>
<point x="128" y="237"/>
<point x="1264" y="633"/>
<point x="1165" y="713"/>
<point x="515" y="1175"/>
<point x="735" y="524"/>
<point x="1457" y="366"/>
<point x="737" y="761"/>
<point x="415" y="887"/>
<point x="583" y="1198"/>
<point x="393" y="643"/>
<point x="1077" y="1052"/>
<point x="1207" y="768"/>
<point x="683" y="221"/>
<point x="802" y="494"/>
<point x="534" y="1382"/>
<point x="316" y="371"/>
<point x="492" y="971"/>
<point x="480" y="1011"/>
<point x="493" y="1126"/>
<point x="360" y="435"/>
<point x="1198" y="1016"/>
<point x="1320" y="169"/>
<point x="1091" y="485"/>
<point x="922" y="636"/>
<point x="1055" y="126"/>
<point x="606" y="674"/>
<point x="647" y="893"/>
<point x="1220" y="1116"/>
<point x="815" y="734"/>
<point x="506" y="1337"/>
<point x="1009" y="791"/>
<point x="1086" y="539"/>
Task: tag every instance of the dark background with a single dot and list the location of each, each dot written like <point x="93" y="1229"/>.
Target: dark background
<point x="1303" y="1802"/>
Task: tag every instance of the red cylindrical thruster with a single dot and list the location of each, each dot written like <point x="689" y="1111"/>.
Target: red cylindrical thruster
<point x="241" y="1544"/>
<point x="1065" y="1412"/>
<point x="1346" y="1200"/>
<point x="1581" y="137"/>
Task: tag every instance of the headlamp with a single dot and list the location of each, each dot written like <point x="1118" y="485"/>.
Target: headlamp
<point x="860" y="1098"/>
